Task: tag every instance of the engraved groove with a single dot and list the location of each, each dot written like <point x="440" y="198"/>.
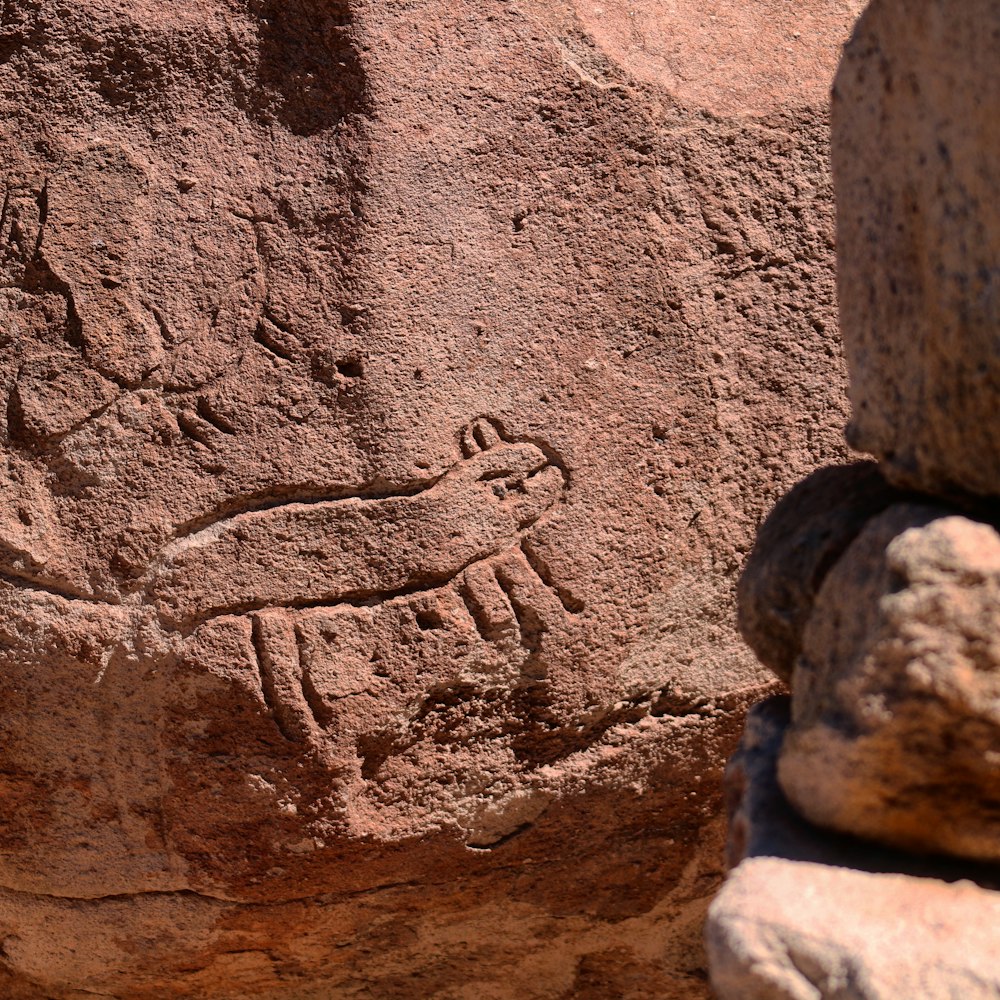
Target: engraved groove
<point x="212" y="416"/>
<point x="479" y="615"/>
<point x="165" y="335"/>
<point x="191" y="428"/>
<point x="272" y="499"/>
<point x="324" y="590"/>
<point x="5" y="210"/>
<point x="531" y="626"/>
<point x="267" y="669"/>
<point x="270" y="342"/>
<point x="480" y="435"/>
<point x="362" y="598"/>
<point x="42" y="201"/>
<point x="318" y="709"/>
<point x="476" y="613"/>
<point x="571" y="605"/>
<point x="34" y="584"/>
<point x="276" y="676"/>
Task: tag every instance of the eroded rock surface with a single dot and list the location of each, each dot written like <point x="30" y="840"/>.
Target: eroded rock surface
<point x="896" y="696"/>
<point x="376" y="466"/>
<point x="918" y="232"/>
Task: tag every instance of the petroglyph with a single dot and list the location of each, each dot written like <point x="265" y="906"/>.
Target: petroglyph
<point x="325" y="552"/>
<point x="283" y="562"/>
<point x="89" y="371"/>
<point x="263" y="262"/>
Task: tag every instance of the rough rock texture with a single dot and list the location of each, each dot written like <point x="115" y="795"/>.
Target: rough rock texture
<point x="918" y="234"/>
<point x="883" y="608"/>
<point x="392" y="391"/>
<point x="780" y="930"/>
<point x="805" y="534"/>
<point x="896" y="696"/>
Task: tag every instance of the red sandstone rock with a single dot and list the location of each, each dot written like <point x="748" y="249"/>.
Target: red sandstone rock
<point x="393" y="391"/>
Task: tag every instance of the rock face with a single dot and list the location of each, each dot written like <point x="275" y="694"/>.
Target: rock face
<point x="896" y="708"/>
<point x="376" y="468"/>
<point x="780" y="930"/>
<point x="918" y="231"/>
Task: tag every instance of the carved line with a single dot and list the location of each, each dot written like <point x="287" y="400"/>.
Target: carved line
<point x="191" y="428"/>
<point x="531" y="627"/>
<point x="269" y="341"/>
<point x="54" y="439"/>
<point x="43" y="212"/>
<point x="571" y="605"/>
<point x="267" y="669"/>
<point x="318" y="709"/>
<point x="5" y="209"/>
<point x="274" y="498"/>
<point x="357" y="599"/>
<point x="294" y="701"/>
<point x="210" y="415"/>
<point x="36" y="586"/>
<point x="352" y="599"/>
<point x="271" y="500"/>
<point x="477" y="613"/>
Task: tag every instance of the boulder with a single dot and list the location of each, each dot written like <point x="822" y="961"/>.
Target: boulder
<point x="377" y="466"/>
<point x="808" y="913"/>
<point x="762" y="822"/>
<point x="780" y="930"/>
<point x="918" y="237"/>
<point x="896" y="696"/>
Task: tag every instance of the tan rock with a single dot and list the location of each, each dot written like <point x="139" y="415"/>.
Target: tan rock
<point x="815" y="913"/>
<point x="915" y="150"/>
<point x="762" y="822"/>
<point x="805" y="534"/>
<point x="792" y="930"/>
<point x="376" y="381"/>
<point x="896" y="696"/>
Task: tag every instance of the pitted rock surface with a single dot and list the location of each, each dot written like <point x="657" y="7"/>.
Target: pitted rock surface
<point x="392" y="391"/>
<point x="918" y="236"/>
<point x="896" y="697"/>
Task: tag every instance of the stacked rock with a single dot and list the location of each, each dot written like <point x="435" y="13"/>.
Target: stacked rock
<point x="883" y="610"/>
<point x="874" y="589"/>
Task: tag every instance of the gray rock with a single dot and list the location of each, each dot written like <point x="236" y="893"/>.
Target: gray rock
<point x="918" y="239"/>
<point x="797" y="544"/>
